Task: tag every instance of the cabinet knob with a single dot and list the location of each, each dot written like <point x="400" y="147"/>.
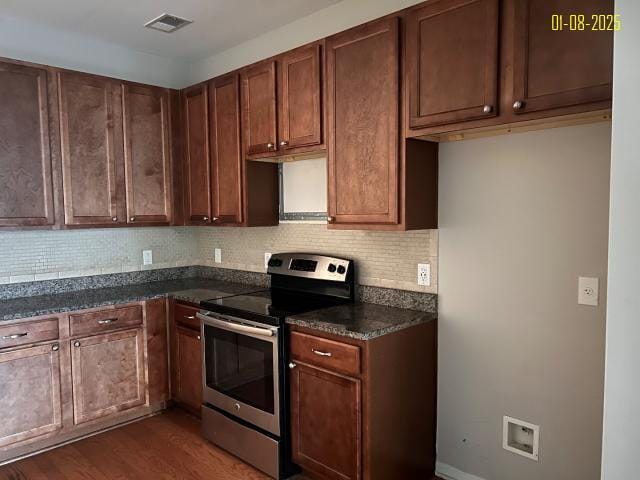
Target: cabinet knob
<point x="284" y="143"/>
<point x="132" y="219"/>
<point x="114" y="219"/>
<point x="55" y="347"/>
<point x="205" y="218"/>
<point x="518" y="104"/>
<point x="215" y="219"/>
<point x="331" y="219"/>
<point x="198" y="337"/>
<point x="487" y="109"/>
<point x="76" y="344"/>
<point x="292" y="365"/>
<point x="270" y="146"/>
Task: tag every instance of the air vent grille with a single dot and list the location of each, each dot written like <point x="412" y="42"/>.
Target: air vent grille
<point x="167" y="23"/>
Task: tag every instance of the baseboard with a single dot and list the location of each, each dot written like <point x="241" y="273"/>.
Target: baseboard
<point x="447" y="472"/>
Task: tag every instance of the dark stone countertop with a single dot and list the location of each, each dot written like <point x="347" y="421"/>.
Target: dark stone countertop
<point x="362" y="321"/>
<point x="191" y="290"/>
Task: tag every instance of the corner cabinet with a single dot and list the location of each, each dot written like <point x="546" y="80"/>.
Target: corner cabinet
<point x="26" y="181"/>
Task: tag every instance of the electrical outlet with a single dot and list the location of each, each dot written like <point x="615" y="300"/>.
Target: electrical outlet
<point x="588" y="291"/>
<point x="217" y="255"/>
<point x="267" y="256"/>
<point x="424" y="274"/>
<point x="147" y="257"/>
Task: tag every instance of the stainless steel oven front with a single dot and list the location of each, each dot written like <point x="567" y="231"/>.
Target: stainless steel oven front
<point x="240" y="364"/>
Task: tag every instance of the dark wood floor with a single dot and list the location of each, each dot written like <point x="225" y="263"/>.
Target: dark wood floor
<point x="167" y="446"/>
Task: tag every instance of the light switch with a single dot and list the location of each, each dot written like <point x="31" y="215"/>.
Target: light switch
<point x="588" y="291"/>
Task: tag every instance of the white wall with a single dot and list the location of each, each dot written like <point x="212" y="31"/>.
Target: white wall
<point x="24" y="40"/>
<point x="521" y="217"/>
<point x="621" y="446"/>
<point x="333" y="19"/>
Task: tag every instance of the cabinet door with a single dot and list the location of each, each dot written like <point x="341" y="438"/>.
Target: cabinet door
<point x="452" y="61"/>
<point x="108" y="374"/>
<point x="326" y="422"/>
<point x="259" y="109"/>
<point x="363" y="121"/>
<point x="226" y="150"/>
<point x="198" y="183"/>
<point x="26" y="187"/>
<point x="92" y="150"/>
<point x="555" y="69"/>
<point x="188" y="359"/>
<point x="300" y="98"/>
<point x="146" y="154"/>
<point x="30" y="395"/>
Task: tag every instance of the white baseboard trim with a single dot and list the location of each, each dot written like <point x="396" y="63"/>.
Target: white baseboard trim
<point x="447" y="472"/>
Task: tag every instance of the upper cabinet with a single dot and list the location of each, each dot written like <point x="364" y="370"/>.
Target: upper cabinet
<point x="92" y="149"/>
<point x="147" y="154"/>
<point x="452" y="61"/>
<point x="259" y="109"/>
<point x="26" y="182"/>
<point x="300" y="99"/>
<point x="196" y="145"/>
<point x="559" y="68"/>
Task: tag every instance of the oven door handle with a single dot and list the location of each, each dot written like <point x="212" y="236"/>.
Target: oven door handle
<point x="235" y="327"/>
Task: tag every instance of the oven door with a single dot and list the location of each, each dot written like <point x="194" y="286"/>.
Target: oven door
<point x="240" y="369"/>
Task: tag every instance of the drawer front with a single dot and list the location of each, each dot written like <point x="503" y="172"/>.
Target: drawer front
<point x="28" y="332"/>
<point x="325" y="353"/>
<point x="186" y="316"/>
<point x="105" y="320"/>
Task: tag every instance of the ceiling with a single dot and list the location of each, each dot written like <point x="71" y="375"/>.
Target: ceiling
<point x="218" y="24"/>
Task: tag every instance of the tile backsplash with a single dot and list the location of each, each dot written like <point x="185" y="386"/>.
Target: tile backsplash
<point x="385" y="259"/>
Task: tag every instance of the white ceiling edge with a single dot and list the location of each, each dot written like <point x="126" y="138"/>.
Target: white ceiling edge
<point x="37" y="43"/>
<point x="323" y="23"/>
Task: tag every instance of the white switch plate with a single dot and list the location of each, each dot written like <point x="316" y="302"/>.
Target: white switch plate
<point x="424" y="274"/>
<point x="588" y="291"/>
<point x="267" y="256"/>
<point x="147" y="257"/>
<point x="217" y="255"/>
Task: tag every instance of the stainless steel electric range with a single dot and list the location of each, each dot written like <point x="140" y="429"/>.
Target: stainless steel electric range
<point x="245" y="383"/>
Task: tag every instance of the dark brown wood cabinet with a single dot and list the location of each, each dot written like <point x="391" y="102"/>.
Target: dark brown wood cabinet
<point x="108" y="372"/>
<point x="26" y="182"/>
<point x="147" y="154"/>
<point x="30" y="399"/>
<point x="300" y="99"/>
<point x="92" y="149"/>
<point x="197" y="166"/>
<point x="226" y="151"/>
<point x="452" y="61"/>
<point x="554" y="69"/>
<point x="259" y="110"/>
<point x="326" y="422"/>
<point x="186" y="357"/>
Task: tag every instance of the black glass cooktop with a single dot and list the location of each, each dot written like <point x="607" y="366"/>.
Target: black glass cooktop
<point x="269" y="306"/>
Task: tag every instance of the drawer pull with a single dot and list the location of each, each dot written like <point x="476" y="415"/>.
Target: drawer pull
<point x="190" y="317"/>
<point x="107" y="321"/>
<point x="14" y="336"/>
<point x="322" y="354"/>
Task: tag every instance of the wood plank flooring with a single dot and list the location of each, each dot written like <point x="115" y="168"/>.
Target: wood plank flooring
<point x="167" y="446"/>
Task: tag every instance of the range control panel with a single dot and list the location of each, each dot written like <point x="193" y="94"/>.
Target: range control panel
<point x="309" y="265"/>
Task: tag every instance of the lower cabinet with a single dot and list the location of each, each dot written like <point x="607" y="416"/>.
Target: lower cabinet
<point x="186" y="358"/>
<point x="108" y="374"/>
<point x="326" y="422"/>
<point x="30" y="405"/>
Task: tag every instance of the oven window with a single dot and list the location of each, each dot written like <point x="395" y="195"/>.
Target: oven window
<point x="240" y="366"/>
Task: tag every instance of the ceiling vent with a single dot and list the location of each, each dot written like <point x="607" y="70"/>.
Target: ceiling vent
<point x="167" y="23"/>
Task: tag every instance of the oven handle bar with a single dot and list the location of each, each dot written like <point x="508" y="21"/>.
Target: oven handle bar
<point x="235" y="327"/>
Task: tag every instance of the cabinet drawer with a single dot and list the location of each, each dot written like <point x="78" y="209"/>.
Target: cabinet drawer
<point x="325" y="353"/>
<point x="28" y="332"/>
<point x="186" y="316"/>
<point x="105" y="320"/>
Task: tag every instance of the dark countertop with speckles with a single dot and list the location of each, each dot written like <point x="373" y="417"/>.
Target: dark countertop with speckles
<point x="191" y="290"/>
<point x="362" y="321"/>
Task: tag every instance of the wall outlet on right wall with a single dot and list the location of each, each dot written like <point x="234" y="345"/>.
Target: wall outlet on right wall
<point x="424" y="274"/>
<point x="217" y="255"/>
<point x="588" y="291"/>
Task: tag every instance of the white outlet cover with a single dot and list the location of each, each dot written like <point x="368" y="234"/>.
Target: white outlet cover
<point x="217" y="255"/>
<point x="267" y="256"/>
<point x="147" y="257"/>
<point x="588" y="289"/>
<point x="424" y="274"/>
